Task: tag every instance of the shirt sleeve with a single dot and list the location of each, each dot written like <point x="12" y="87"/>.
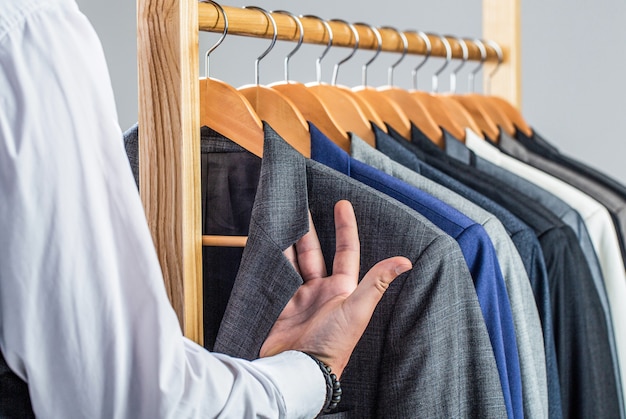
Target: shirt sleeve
<point x="84" y="316"/>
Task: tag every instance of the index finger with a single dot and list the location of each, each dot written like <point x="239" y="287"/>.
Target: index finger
<point x="348" y="248"/>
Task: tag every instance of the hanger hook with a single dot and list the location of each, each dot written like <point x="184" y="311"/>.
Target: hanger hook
<point x="446" y="44"/>
<point x="453" y="75"/>
<point x="498" y="50"/>
<point x="379" y="48"/>
<point x="429" y="50"/>
<point x="271" y="20"/>
<point x="318" y="61"/>
<point x="355" y="33"/>
<point x="219" y="41"/>
<point x="471" y="87"/>
<point x="300" y="39"/>
<point x="405" y="50"/>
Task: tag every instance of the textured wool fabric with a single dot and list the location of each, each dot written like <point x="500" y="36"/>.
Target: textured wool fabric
<point x="600" y="228"/>
<point x="583" y="352"/>
<point x="426" y="351"/>
<point x="475" y="245"/>
<point x="526" y="243"/>
<point x="561" y="209"/>
<point x="524" y="310"/>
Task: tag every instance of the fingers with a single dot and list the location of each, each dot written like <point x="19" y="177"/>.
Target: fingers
<point x="310" y="257"/>
<point x="370" y="290"/>
<point x="347" y="252"/>
<point x="290" y="253"/>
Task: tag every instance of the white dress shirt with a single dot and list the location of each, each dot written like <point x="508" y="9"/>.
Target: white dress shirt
<point x="84" y="316"/>
<point x="599" y="224"/>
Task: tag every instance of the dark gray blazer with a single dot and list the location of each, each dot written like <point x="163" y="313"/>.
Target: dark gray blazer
<point x="614" y="203"/>
<point x="425" y="353"/>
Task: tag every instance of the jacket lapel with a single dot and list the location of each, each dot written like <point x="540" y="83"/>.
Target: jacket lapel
<point x="266" y="280"/>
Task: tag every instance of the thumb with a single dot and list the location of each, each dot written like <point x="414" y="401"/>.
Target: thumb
<point x="370" y="290"/>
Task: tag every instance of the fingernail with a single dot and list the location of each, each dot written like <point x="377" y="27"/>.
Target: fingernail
<point x="400" y="269"/>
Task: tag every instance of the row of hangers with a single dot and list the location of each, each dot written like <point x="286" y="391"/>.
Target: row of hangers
<point x="337" y="110"/>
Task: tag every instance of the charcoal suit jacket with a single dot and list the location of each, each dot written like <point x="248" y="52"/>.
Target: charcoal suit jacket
<point x="426" y="351"/>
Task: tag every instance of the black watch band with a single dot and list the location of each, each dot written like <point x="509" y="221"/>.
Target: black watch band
<point x="333" y="386"/>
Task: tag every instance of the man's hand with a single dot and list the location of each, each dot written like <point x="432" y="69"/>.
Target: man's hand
<point x="328" y="314"/>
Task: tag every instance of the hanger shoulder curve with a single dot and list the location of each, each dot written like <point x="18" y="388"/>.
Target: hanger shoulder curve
<point x="460" y="114"/>
<point x="314" y="110"/>
<point x="227" y="111"/>
<point x="512" y="115"/>
<point x="480" y="115"/>
<point x="439" y="113"/>
<point x="416" y="112"/>
<point x="389" y="112"/>
<point x="344" y="109"/>
<point x="282" y="115"/>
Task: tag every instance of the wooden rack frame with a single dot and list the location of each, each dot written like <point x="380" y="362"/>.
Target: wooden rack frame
<point x="169" y="150"/>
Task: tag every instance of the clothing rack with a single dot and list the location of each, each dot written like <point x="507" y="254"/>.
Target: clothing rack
<point x="169" y="115"/>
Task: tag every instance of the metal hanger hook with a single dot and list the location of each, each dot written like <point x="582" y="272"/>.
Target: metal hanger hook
<point x="446" y="44"/>
<point x="471" y="87"/>
<point x="405" y="50"/>
<point x="429" y="49"/>
<point x="300" y="39"/>
<point x="318" y="61"/>
<point x="379" y="48"/>
<point x="220" y="9"/>
<point x="453" y="75"/>
<point x="271" y="20"/>
<point x="498" y="51"/>
<point x="355" y="33"/>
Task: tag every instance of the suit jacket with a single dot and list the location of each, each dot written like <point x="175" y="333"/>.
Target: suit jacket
<point x="585" y="363"/>
<point x="524" y="310"/>
<point x="542" y="147"/>
<point x="425" y="353"/>
<point x="526" y="243"/>
<point x="475" y="246"/>
<point x="615" y="203"/>
<point x="566" y="213"/>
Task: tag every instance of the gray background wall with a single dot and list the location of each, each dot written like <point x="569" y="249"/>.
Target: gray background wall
<point x="574" y="92"/>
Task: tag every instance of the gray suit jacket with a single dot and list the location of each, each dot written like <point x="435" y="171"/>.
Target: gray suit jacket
<point x="613" y="202"/>
<point x="425" y="353"/>
<point x="523" y="306"/>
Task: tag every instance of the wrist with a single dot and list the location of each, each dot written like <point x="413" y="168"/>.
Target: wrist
<point x="333" y="386"/>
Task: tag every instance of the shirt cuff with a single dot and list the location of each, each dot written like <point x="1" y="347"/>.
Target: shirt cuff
<point x="299" y="380"/>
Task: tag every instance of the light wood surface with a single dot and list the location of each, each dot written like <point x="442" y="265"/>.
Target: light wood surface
<point x="254" y="23"/>
<point x="501" y="23"/>
<point x="225" y="241"/>
<point x="169" y="150"/>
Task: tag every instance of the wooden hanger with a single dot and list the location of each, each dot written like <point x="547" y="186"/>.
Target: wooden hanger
<point x="344" y="109"/>
<point x="227" y="111"/>
<point x="274" y="108"/>
<point x="239" y="123"/>
<point x="340" y="102"/>
<point x="441" y="112"/>
<point x="496" y="111"/>
<point x="389" y="112"/>
<point x="476" y="107"/>
<point x="509" y="111"/>
<point x="411" y="108"/>
<point x="309" y="105"/>
<point x="315" y="111"/>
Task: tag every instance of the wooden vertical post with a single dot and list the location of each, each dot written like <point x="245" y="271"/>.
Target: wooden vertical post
<point x="502" y="24"/>
<point x="169" y="149"/>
